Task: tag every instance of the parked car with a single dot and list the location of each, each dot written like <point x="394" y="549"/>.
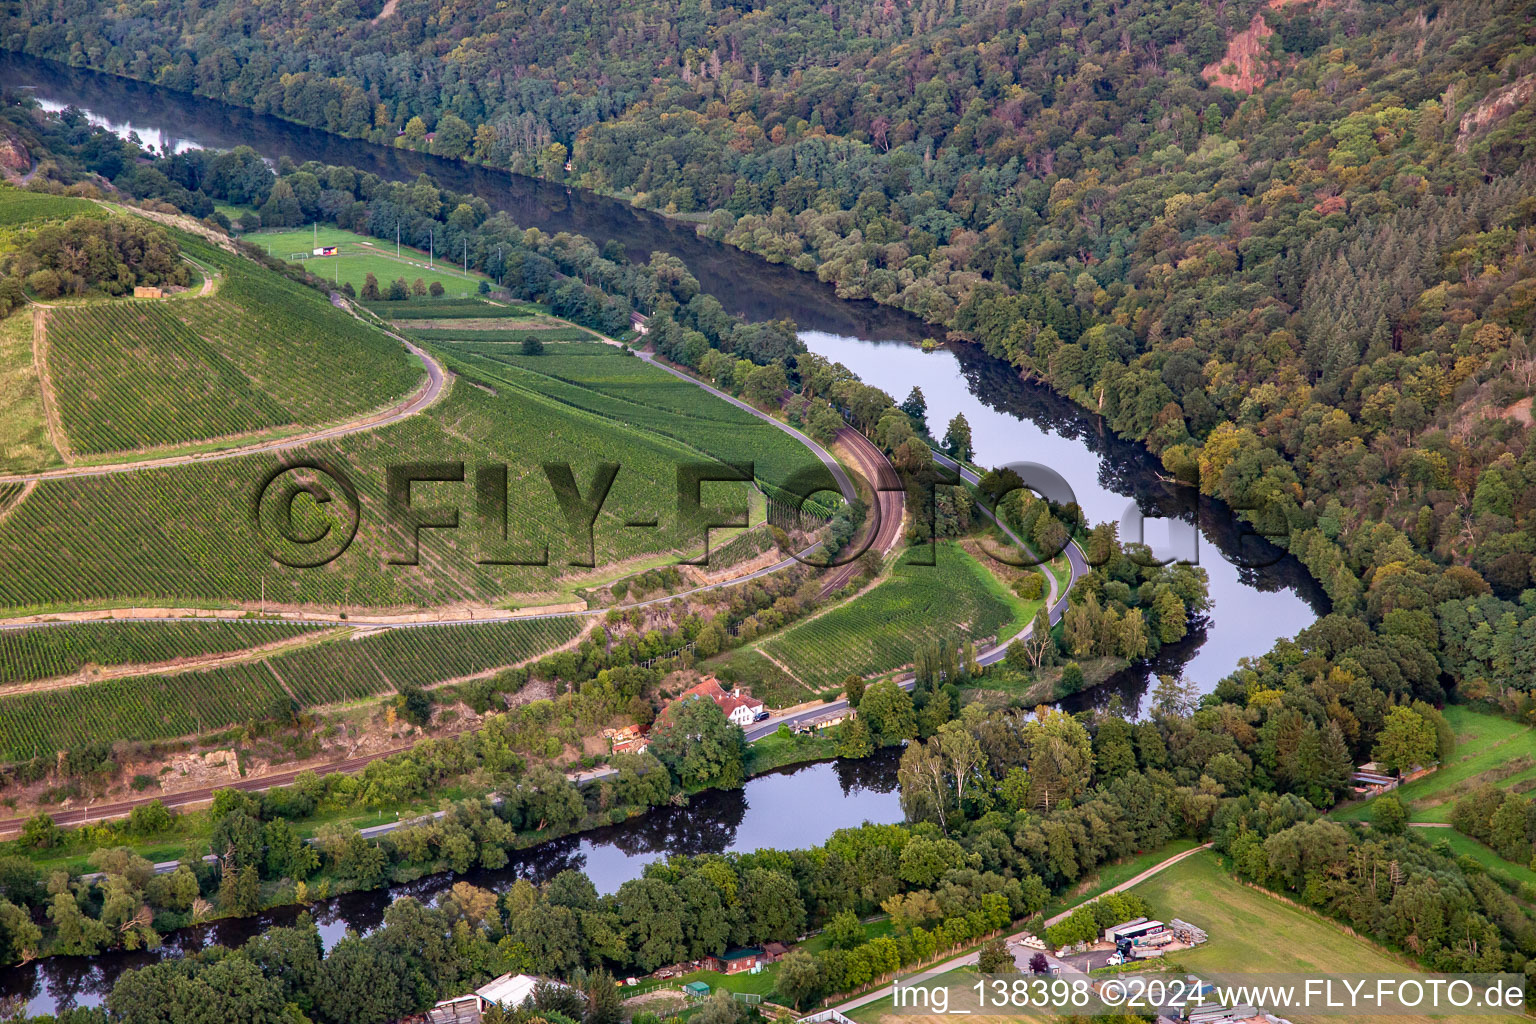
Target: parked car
<point x="760" y="716"/>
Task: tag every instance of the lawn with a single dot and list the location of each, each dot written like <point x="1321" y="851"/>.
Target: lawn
<point x="1111" y="875"/>
<point x="1253" y="932"/>
<point x="359" y="255"/>
<point x="1488" y="749"/>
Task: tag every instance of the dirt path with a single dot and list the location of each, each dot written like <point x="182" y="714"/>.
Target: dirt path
<point x="26" y="489"/>
<point x="45" y="384"/>
<point x="85" y="677"/>
<point x="785" y="668"/>
<point x="430" y="391"/>
<point x="967" y="959"/>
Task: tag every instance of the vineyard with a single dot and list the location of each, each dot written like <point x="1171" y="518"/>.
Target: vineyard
<point x="877" y="632"/>
<point x="262" y="352"/>
<point x="46" y="652"/>
<point x="319" y="362"/>
<point x="131" y="375"/>
<point x="629" y="390"/>
<point x="165" y="536"/>
<point x="10" y="493"/>
<point x="165" y="706"/>
<point x="18" y="206"/>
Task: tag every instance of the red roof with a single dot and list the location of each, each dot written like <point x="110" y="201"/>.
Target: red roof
<point x="727" y="702"/>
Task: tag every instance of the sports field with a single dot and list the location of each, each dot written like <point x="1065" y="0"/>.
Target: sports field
<point x="360" y="255"/>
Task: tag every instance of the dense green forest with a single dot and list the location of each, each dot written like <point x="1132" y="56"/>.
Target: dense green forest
<point x="1287" y="246"/>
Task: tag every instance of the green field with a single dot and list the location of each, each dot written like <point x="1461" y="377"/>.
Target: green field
<point x="1253" y="932"/>
<point x="164" y="706"/>
<point x="24" y="442"/>
<point x="360" y="255"/>
<point x="877" y="632"/>
<point x="18" y="206"/>
<point x="1488" y="749"/>
<point x="262" y="352"/>
<point x="44" y="652"/>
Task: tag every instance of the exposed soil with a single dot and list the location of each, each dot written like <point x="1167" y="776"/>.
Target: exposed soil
<point x="45" y="383"/>
<point x="1248" y="56"/>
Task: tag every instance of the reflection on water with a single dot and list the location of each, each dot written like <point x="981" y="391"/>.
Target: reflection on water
<point x="1015" y="421"/>
<point x="1011" y="420"/>
<point x="791" y="809"/>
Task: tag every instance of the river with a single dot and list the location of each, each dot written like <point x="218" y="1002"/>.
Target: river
<point x="1257" y="595"/>
<point x="768" y="812"/>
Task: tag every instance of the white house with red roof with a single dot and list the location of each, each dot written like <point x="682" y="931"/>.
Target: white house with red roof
<point x="738" y="707"/>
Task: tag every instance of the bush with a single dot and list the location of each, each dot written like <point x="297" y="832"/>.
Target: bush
<point x="45" y="284"/>
<point x="1071" y="677"/>
<point x="532" y="347"/>
<point x="1030" y="587"/>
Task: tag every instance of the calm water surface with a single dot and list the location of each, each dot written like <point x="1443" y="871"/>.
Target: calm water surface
<point x="1011" y="420"/>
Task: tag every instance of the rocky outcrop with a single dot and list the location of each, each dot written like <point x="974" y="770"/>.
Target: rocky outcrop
<point x="1496" y="106"/>
<point x="14" y="158"/>
<point x="1246" y="66"/>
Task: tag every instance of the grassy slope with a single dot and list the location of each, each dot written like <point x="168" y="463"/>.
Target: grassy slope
<point x="24" y="443"/>
<point x="1253" y="932"/>
<point x="1488" y="749"/>
<point x="361" y="255"/>
<point x="878" y="631"/>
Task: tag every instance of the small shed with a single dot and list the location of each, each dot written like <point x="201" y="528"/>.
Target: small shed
<point x="735" y="961"/>
<point x="696" y="990"/>
<point x="145" y="291"/>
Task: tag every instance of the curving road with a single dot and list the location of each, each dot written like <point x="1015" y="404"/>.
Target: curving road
<point x="429" y="392"/>
<point x="890" y="497"/>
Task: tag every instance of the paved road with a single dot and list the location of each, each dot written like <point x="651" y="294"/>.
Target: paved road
<point x="1025" y="952"/>
<point x="1075" y="557"/>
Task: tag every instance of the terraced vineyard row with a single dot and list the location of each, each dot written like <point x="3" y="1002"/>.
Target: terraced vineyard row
<point x="165" y="706"/>
<point x="502" y="338"/>
<point x="629" y="390"/>
<point x="319" y="362"/>
<point x="131" y="375"/>
<point x="44" y="652"/>
<point x="136" y="709"/>
<point x="18" y="206"/>
<point x="879" y="631"/>
<point x="418" y="656"/>
<point x="449" y="309"/>
<point x="168" y="536"/>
